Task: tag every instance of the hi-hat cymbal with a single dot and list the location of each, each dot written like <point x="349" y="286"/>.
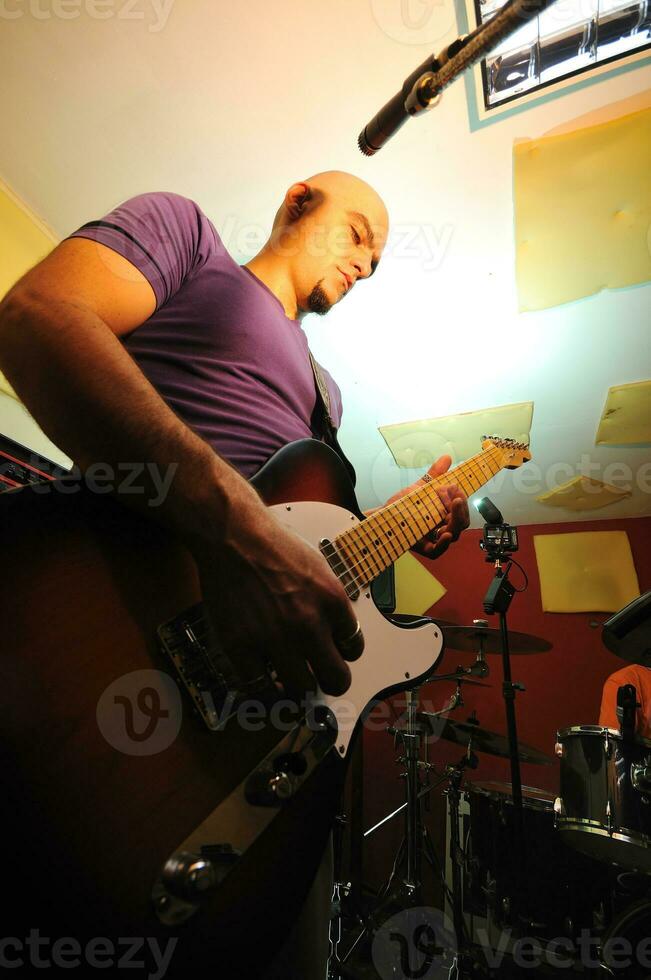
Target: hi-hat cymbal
<point x="468" y="638"/>
<point x="482" y="739"/>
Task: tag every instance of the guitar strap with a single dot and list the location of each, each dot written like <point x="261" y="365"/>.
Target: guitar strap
<point x="322" y="424"/>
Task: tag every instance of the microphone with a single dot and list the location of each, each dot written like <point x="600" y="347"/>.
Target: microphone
<point x="627" y="704"/>
<point x="411" y="99"/>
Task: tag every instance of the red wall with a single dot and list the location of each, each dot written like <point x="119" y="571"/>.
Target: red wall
<point x="563" y="685"/>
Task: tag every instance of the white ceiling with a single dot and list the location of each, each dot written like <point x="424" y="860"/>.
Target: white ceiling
<point x="229" y="104"/>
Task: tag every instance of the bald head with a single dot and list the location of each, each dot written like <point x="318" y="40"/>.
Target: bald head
<point x="329" y="232"/>
<point x="344" y="189"/>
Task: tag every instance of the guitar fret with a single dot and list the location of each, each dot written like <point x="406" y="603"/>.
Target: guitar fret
<point x="392" y="530"/>
<point x="373" y="536"/>
<point x="384" y="527"/>
<point x="355" y="564"/>
<point x="402" y="518"/>
<point x="397" y="529"/>
<point x="466" y="485"/>
<point x="365" y="550"/>
<point x="414" y="512"/>
<point x="357" y="558"/>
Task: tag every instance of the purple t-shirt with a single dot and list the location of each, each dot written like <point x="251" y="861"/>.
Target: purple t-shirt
<point x="218" y="348"/>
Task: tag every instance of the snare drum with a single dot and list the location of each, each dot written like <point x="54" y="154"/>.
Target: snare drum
<point x="604" y="808"/>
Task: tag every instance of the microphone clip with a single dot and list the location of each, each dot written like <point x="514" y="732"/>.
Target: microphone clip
<point x="425" y="94"/>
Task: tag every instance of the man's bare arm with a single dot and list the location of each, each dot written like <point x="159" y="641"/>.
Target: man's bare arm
<point x="60" y="350"/>
<point x="59" y="347"/>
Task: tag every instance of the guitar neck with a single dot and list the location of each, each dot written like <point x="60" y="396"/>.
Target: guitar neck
<point x="376" y="543"/>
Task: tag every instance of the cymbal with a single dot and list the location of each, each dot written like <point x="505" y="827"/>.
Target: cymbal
<point x="483" y="740"/>
<point x="461" y="678"/>
<point x="467" y="638"/>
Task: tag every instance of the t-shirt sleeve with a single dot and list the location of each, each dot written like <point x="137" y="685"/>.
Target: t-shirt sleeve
<point x="608" y="713"/>
<point x="166" y="236"/>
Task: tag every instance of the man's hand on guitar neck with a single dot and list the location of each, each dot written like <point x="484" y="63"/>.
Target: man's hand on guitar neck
<point x="434" y="544"/>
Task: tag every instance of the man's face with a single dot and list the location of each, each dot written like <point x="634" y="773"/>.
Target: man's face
<point x="338" y="242"/>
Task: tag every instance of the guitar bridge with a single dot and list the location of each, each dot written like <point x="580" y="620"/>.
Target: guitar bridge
<point x="207" y="675"/>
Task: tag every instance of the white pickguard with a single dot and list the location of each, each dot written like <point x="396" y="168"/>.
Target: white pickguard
<point x="392" y="654"/>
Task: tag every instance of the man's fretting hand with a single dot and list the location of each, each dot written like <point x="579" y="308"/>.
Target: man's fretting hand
<point x="457" y="518"/>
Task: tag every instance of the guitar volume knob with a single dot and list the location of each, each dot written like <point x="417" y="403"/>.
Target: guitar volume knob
<point x="188" y="876"/>
<point x="267" y="788"/>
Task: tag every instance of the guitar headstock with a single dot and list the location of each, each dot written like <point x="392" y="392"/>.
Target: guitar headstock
<point x="510" y="453"/>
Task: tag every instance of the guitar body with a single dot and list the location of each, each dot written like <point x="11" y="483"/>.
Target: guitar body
<point x="90" y="817"/>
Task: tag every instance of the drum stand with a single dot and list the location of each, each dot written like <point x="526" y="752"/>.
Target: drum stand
<point x="463" y="961"/>
<point x="408" y="891"/>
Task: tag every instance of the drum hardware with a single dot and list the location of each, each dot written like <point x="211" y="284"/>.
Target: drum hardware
<point x="466" y="638"/>
<point x="641" y="777"/>
<point x="483" y="740"/>
<point x="455" y="773"/>
<point x="417" y="843"/>
<point x="340" y="893"/>
<point x="627" y="705"/>
<point x="422" y="724"/>
<point x="461" y="674"/>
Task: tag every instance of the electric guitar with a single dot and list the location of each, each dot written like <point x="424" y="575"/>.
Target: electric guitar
<point x="146" y="793"/>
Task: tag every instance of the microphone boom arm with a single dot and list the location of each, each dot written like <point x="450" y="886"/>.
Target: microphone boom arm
<point x="422" y="89"/>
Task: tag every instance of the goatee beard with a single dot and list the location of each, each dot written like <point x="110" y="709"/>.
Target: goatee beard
<point x="317" y="301"/>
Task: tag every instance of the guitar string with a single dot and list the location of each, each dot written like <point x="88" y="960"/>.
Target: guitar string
<point x="352" y="567"/>
<point x="332" y="550"/>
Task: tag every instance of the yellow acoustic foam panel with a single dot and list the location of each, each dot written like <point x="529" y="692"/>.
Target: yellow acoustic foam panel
<point x="6" y="387"/>
<point x="583" y="493"/>
<point x="582" y="204"/>
<point x="416" y="588"/>
<point x="626" y="417"/>
<point x="585" y="571"/>
<point x="415" y="445"/>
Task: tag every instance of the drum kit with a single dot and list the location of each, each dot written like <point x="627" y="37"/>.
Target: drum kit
<point x="569" y="872"/>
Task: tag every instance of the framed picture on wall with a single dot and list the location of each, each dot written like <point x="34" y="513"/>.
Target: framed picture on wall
<point x="572" y="40"/>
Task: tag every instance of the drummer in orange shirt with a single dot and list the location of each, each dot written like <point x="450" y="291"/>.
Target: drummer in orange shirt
<point x="640" y="678"/>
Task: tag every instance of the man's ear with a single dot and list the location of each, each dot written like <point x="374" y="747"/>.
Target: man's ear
<point x="297" y="199"/>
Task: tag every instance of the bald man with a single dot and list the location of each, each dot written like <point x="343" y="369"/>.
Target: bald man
<point x="140" y="338"/>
